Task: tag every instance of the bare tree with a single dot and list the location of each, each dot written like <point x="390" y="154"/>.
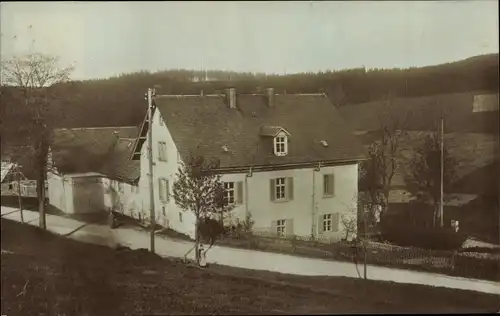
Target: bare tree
<point x="378" y="171"/>
<point x="198" y="189"/>
<point x="424" y="178"/>
<point x="349" y="222"/>
<point x="35" y="77"/>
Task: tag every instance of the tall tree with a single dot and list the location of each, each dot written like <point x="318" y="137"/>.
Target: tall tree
<point x="371" y="189"/>
<point x="424" y="178"/>
<point x="378" y="171"/>
<point x="34" y="78"/>
<point x="198" y="189"/>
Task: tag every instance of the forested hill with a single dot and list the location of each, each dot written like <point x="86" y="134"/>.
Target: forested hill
<point x="120" y="100"/>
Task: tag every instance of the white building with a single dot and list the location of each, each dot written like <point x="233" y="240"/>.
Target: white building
<point x="90" y="171"/>
<point x="288" y="160"/>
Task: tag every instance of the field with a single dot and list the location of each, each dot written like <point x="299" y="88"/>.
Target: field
<point x="44" y="274"/>
<point x="423" y="114"/>
<point x="472" y="151"/>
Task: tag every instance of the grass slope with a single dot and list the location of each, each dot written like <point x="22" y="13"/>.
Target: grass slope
<point x="45" y="274"/>
<point x="472" y="151"/>
<point x="424" y="113"/>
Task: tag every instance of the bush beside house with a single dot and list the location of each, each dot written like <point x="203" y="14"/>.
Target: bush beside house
<point x="423" y="237"/>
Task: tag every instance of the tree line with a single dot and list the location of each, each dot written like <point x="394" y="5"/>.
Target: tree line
<point x="119" y="101"/>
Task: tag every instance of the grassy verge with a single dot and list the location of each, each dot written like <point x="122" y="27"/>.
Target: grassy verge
<point x="43" y="273"/>
<point x="28" y="203"/>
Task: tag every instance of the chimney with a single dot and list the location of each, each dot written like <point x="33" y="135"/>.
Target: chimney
<point x="270" y="97"/>
<point x="231" y="98"/>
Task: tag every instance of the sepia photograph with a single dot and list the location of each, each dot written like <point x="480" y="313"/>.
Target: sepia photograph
<point x="249" y="157"/>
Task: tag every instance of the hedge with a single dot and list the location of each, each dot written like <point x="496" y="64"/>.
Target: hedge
<point x="423" y="237"/>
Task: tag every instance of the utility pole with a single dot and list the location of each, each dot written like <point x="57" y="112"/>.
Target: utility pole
<point x="19" y="197"/>
<point x="365" y="242"/>
<point x="150" y="159"/>
<point x="441" y="206"/>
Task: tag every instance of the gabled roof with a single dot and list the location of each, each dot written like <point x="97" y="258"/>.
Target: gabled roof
<point x="119" y="166"/>
<point x="202" y="125"/>
<point x="272" y="131"/>
<point x="105" y="150"/>
<point x="6" y="169"/>
<point x="143" y="131"/>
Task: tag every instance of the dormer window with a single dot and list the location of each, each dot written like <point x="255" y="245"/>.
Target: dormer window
<point x="279" y="136"/>
<point x="280" y="145"/>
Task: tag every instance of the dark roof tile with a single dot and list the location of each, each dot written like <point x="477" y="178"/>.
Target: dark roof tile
<point x="105" y="150"/>
<point x="202" y="125"/>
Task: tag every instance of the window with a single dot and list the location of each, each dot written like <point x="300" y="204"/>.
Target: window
<point x="229" y="193"/>
<point x="280" y="145"/>
<point x="327" y="222"/>
<point x="163" y="190"/>
<point x="162" y="151"/>
<point x="180" y="217"/>
<point x="162" y="123"/>
<point x="281" y="227"/>
<point x="328" y="185"/>
<point x="163" y="211"/>
<point x="281" y="189"/>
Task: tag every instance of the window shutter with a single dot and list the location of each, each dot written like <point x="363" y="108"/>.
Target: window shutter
<point x="289" y="186"/>
<point x="325" y="186"/>
<point x="320" y="224"/>
<point x="328" y="184"/>
<point x="274" y="229"/>
<point x="331" y="182"/>
<point x="239" y="192"/>
<point x="272" y="189"/>
<point x="167" y="191"/>
<point x="160" y="189"/>
<point x="335" y="222"/>
<point x="289" y="227"/>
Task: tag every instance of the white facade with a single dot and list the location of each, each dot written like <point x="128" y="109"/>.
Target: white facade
<point x="305" y="209"/>
<point x="92" y="192"/>
<point x="309" y="210"/>
<point x="167" y="214"/>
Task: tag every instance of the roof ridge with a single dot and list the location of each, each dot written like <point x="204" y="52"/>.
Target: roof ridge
<point x="186" y="95"/>
<point x="241" y="94"/>
<point x="87" y="128"/>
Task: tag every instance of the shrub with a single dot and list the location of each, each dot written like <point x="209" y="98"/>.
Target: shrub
<point x="293" y="242"/>
<point x="477" y="267"/>
<point x="423" y="237"/>
<point x="481" y="250"/>
<point x="210" y="229"/>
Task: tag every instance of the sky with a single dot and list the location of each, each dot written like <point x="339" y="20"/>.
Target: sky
<point x="104" y="39"/>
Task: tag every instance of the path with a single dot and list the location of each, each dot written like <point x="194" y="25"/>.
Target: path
<point x="242" y="258"/>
